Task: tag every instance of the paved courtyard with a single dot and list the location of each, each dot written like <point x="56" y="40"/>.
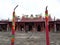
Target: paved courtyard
<point x="30" y="38"/>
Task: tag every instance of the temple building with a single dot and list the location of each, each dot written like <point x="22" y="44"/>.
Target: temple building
<point x="31" y="23"/>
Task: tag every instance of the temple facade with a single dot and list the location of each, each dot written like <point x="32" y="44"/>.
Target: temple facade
<point x="31" y="24"/>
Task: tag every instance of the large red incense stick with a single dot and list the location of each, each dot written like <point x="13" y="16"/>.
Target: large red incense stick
<point x="13" y="29"/>
<point x="46" y="24"/>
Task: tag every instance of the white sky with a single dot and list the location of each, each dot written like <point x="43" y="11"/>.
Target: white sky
<point x="29" y="7"/>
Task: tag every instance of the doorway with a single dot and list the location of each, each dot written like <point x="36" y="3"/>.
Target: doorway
<point x="3" y="27"/>
<point x="30" y="27"/>
<point x="21" y="28"/>
<point x="38" y="28"/>
<point x="58" y="27"/>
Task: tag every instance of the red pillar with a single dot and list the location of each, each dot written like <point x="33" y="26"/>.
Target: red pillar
<point x="35" y="26"/>
<point x="13" y="29"/>
<point x="24" y="27"/>
<point x="47" y="30"/>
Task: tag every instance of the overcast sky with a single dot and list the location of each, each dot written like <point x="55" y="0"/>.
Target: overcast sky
<point x="29" y="7"/>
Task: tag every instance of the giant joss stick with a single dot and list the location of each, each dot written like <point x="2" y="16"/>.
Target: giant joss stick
<point x="13" y="27"/>
<point x="46" y="25"/>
